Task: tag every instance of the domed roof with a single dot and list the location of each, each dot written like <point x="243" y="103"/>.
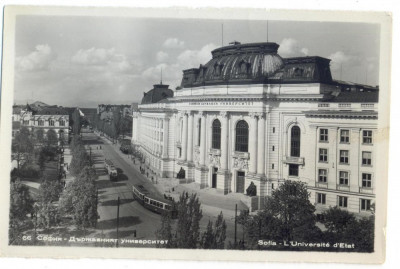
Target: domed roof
<point x="158" y="93"/>
<point x="238" y="62"/>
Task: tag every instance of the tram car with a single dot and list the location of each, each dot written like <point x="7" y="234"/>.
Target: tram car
<point x="111" y="171"/>
<point x="157" y="205"/>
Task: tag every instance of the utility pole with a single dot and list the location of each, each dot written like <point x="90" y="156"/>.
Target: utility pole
<point x="117" y="219"/>
<point x="235" y="224"/>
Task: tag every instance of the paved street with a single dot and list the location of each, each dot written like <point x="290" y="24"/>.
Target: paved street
<point x="132" y="215"/>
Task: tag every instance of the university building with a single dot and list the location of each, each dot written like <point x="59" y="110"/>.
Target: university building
<point x="251" y="116"/>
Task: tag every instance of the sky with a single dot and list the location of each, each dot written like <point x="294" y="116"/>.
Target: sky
<point x="84" y="61"/>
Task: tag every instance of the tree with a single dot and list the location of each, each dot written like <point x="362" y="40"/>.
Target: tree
<point x="287" y="215"/>
<point x="51" y="138"/>
<point x="291" y="206"/>
<point x="50" y="190"/>
<point x="342" y="226"/>
<point x="80" y="158"/>
<point x="22" y="145"/>
<point x="39" y="135"/>
<point x="337" y="220"/>
<point x="188" y="226"/>
<point x="21" y="204"/>
<point x="80" y="201"/>
<point x="361" y="233"/>
<point x="215" y="238"/>
<point x="46" y="212"/>
<point x="165" y="232"/>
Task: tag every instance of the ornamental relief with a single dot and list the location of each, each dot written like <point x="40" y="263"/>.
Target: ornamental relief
<point x="215" y="160"/>
<point x="240" y="163"/>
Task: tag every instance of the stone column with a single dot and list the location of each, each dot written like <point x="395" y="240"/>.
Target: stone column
<point x="253" y="143"/>
<point x="184" y="136"/>
<point x="203" y="139"/>
<point x="165" y="138"/>
<point x="261" y="145"/>
<point x="224" y="140"/>
<point x="190" y="139"/>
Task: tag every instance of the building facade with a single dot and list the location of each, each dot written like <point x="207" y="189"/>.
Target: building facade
<point x="250" y="116"/>
<point x="46" y="118"/>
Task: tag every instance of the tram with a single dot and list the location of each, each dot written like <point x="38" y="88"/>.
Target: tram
<point x="157" y="205"/>
<point x="111" y="171"/>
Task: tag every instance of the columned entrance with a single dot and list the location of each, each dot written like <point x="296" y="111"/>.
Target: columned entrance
<point x="240" y="182"/>
<point x="214" y="178"/>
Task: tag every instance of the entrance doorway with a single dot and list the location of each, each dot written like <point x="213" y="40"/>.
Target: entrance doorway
<point x="240" y="182"/>
<point x="214" y="178"/>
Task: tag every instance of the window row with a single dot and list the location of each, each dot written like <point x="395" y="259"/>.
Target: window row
<point x="342" y="202"/>
<point x="41" y="122"/>
<point x="366" y="178"/>
<point x="345" y="136"/>
<point x="366" y="158"/>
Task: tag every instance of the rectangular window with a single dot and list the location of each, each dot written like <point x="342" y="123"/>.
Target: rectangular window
<point x="344" y="156"/>
<point x="367" y="137"/>
<point x="344" y="136"/>
<point x="365" y="205"/>
<point x="293" y="170"/>
<point x="366" y="158"/>
<point x="321" y="198"/>
<point x="323" y="155"/>
<point x="323" y="135"/>
<point x="342" y="201"/>
<point x="322" y="174"/>
<point x="343" y="178"/>
<point x="366" y="180"/>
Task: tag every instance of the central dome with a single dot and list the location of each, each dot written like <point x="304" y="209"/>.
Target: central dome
<point x="238" y="62"/>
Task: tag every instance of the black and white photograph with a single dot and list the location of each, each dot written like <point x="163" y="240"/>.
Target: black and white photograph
<point x="210" y="132"/>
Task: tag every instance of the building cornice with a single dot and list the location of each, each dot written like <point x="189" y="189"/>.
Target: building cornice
<point x="342" y="114"/>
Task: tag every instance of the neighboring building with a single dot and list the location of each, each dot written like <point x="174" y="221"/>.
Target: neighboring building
<point x="249" y="115"/>
<point x="46" y="118"/>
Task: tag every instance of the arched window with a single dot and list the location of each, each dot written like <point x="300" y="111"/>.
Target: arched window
<point x="216" y="134"/>
<point x="40" y="122"/>
<point x="295" y="142"/>
<point x="242" y="136"/>
<point x="62" y="123"/>
<point x="51" y="122"/>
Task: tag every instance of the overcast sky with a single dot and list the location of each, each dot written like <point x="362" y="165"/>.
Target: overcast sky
<point x="85" y="61"/>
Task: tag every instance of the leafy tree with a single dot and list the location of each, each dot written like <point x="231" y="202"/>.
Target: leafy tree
<point x="215" y="238"/>
<point x="188" y="226"/>
<point x="337" y="220"/>
<point x="39" y="135"/>
<point x="51" y="138"/>
<point x="165" y="232"/>
<point x="88" y="174"/>
<point x="79" y="159"/>
<point x="80" y="201"/>
<point x="21" y="204"/>
<point x="22" y="145"/>
<point x="46" y="212"/>
<point x="50" y="190"/>
<point x="361" y="233"/>
<point x="291" y="206"/>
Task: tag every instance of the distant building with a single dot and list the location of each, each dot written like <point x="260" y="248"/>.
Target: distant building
<point x="251" y="116"/>
<point x="41" y="117"/>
